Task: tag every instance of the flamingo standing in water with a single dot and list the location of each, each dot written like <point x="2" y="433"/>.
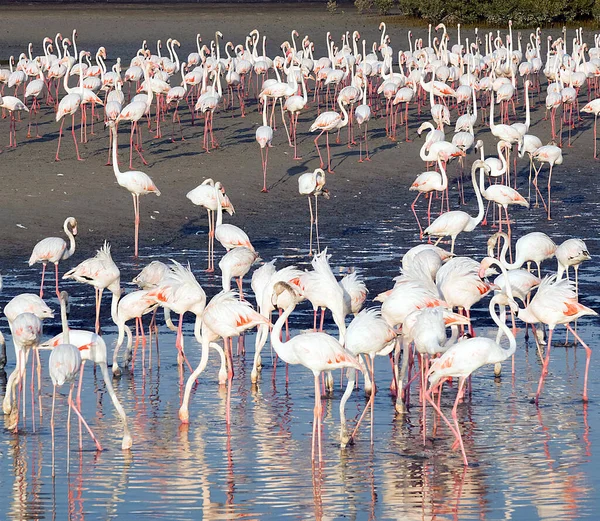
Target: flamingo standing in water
<point x="454" y="222"/>
<point x="225" y="316"/>
<point x="205" y="195"/>
<point x="503" y="196"/>
<point x="556" y="303"/>
<point x="138" y="183"/>
<point x="229" y="235"/>
<point x="101" y="272"/>
<point x="326" y="122"/>
<point x="64" y="366"/>
<point x="465" y="357"/>
<point x="426" y="183"/>
<point x="318" y="352"/>
<point x="264" y="137"/>
<point x="552" y="155"/>
<point x="54" y="249"/>
<point x="26" y="329"/>
<point x="93" y="348"/>
<point x="309" y="184"/>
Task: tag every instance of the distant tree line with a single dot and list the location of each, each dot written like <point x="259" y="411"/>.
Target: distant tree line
<point x="528" y="13"/>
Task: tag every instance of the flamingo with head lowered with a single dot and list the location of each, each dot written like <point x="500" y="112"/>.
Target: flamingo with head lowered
<point x="454" y="222"/>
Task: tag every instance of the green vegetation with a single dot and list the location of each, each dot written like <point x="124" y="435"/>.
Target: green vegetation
<point x="524" y="13"/>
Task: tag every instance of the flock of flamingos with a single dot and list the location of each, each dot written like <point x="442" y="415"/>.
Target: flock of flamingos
<point x="478" y="81"/>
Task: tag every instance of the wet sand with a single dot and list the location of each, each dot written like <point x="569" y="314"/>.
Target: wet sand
<point x="38" y="193"/>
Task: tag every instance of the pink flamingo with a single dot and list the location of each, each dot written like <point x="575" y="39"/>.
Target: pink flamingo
<point x="101" y="272"/>
<point x="13" y="105"/>
<point x="264" y="137"/>
<point x="317" y="352"/>
<point x="326" y="122"/>
<point x="138" y="183"/>
<point x="225" y="316"/>
<point x="205" y="195"/>
<point x="556" y="303"/>
<point x="54" y="249"/>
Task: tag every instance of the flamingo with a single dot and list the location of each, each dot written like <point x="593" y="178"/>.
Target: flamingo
<point x="371" y="335"/>
<point x="26" y="330"/>
<point x="64" y="365"/>
<point x="571" y="253"/>
<point x="362" y="114"/>
<point x="264" y="137"/>
<point x="316" y="351"/>
<point x="225" y="316"/>
<point x="138" y="183"/>
<point x="177" y="94"/>
<point x="34" y="90"/>
<point x="503" y="196"/>
<point x="236" y="263"/>
<point x="326" y="122"/>
<point x="593" y="107"/>
<point x="205" y="195"/>
<point x="322" y="289"/>
<point x="13" y="105"/>
<point x="309" y="184"/>
<point x="454" y="222"/>
<point x="529" y="145"/>
<point x="552" y="155"/>
<point x="556" y="303"/>
<point x="101" y="272"/>
<point x="532" y="247"/>
<point x="133" y="305"/>
<point x="54" y="249"/>
<point x="465" y="357"/>
<point x="426" y="183"/>
<point x="180" y="292"/>
<point x="294" y="105"/>
<point x="93" y="348"/>
<point x="68" y="106"/>
<point x="229" y="235"/>
<point x="134" y="111"/>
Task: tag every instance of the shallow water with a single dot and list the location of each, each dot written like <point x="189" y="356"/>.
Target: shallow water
<point x="526" y="462"/>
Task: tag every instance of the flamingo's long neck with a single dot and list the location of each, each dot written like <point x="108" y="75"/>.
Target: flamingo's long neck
<point x="63" y="318"/>
<point x="344" y="121"/>
<point x="482" y="181"/>
<point x="504" y="263"/>
<point x="219" y="205"/>
<point x="115" y="145"/>
<point x="444" y="184"/>
<point x="527" y="114"/>
<point x="492" y="126"/>
<point x="503" y="327"/>
<point x="150" y="92"/>
<point x="281" y="348"/>
<point x="71" y="237"/>
<point x="474" y="117"/>
<point x="476" y="220"/>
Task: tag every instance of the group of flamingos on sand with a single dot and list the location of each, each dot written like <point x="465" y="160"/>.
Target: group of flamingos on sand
<point x="435" y="290"/>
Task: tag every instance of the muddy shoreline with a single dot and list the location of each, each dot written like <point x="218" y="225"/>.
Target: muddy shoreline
<point x="38" y="193"/>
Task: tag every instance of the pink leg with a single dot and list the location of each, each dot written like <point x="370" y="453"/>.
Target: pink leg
<point x="544" y="367"/>
<point x="56" y="279"/>
<point x="588" y="354"/>
<point x="42" y="284"/>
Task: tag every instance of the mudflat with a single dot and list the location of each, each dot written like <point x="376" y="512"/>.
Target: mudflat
<point x="38" y="193"/>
